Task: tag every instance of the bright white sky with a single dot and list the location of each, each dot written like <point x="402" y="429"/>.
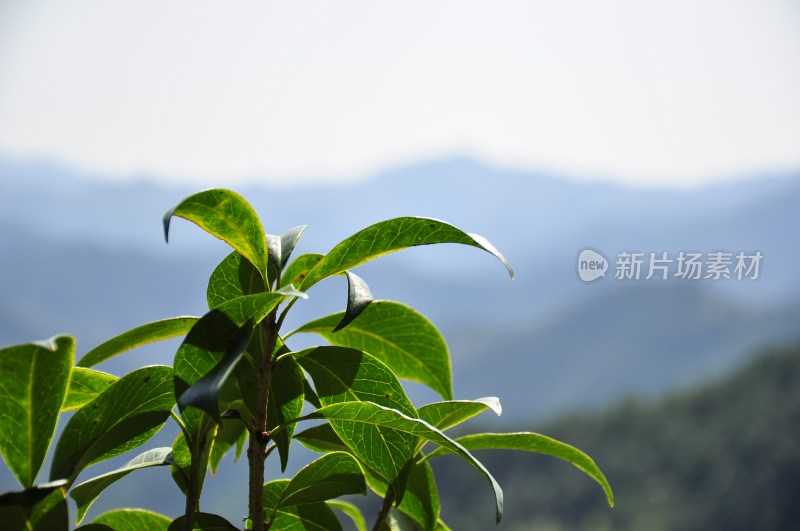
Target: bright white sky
<point x="649" y="91"/>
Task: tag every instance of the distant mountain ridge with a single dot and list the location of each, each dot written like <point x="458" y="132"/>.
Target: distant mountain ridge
<point x="88" y="257"/>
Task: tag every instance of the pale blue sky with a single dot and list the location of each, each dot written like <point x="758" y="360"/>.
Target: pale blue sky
<point x="640" y="91"/>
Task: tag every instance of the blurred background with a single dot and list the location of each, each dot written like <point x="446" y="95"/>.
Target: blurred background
<point x="547" y="127"/>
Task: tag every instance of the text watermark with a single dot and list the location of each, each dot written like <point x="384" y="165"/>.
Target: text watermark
<point x="684" y="265"/>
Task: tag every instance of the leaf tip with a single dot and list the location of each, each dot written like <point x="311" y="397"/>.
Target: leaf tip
<point x="166" y="220"/>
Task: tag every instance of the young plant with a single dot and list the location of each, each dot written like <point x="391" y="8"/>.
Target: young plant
<point x="236" y="382"/>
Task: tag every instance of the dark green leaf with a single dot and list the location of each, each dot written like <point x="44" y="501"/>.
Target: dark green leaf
<point x="321" y="439"/>
<point x="133" y="520"/>
<point x="205" y="393"/>
<point x="181" y="462"/>
<point x="88" y="491"/>
<point x="443" y="415"/>
<point x="310" y="516"/>
<point x="38" y="508"/>
<point x="358" y="298"/>
<point x="332" y="475"/>
<point x="229" y="217"/>
<point x="84" y="386"/>
<point x="351" y="511"/>
<point x="385" y="456"/>
<point x="205" y="344"/>
<point x="285" y="403"/>
<point x="234" y="277"/>
<point x="204" y="522"/>
<point x="230" y="433"/>
<point x="121" y="418"/>
<point x="400" y="337"/>
<point x="33" y="383"/>
<point x="136" y="337"/>
<point x="421" y="500"/>
<point x="534" y="442"/>
<point x="389" y="236"/>
<point x="299" y="268"/>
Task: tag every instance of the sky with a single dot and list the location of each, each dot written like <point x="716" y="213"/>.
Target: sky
<point x="646" y="92"/>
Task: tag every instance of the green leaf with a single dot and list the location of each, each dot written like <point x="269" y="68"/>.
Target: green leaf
<point x="398" y="521"/>
<point x="203" y="522"/>
<point x="136" y="337"/>
<point x="207" y="341"/>
<point x="309" y="516"/>
<point x="121" y="418"/>
<point x="38" y="508"/>
<point x="88" y="491"/>
<point x="205" y="393"/>
<point x="281" y="247"/>
<point x="181" y="462"/>
<point x="228" y="216"/>
<point x="286" y="398"/>
<point x="84" y="386"/>
<point x="400" y="337"/>
<point x="344" y="374"/>
<point x="389" y="236"/>
<point x="358" y="298"/>
<point x="441" y="526"/>
<point x="33" y="383"/>
<point x="386" y="456"/>
<point x="321" y="439"/>
<point x="299" y="268"/>
<point x="421" y="499"/>
<point x="351" y="511"/>
<point x="230" y="433"/>
<point x="133" y="520"/>
<point x="332" y="475"/>
<point x="234" y="277"/>
<point x="444" y="415"/>
<point x="534" y="442"/>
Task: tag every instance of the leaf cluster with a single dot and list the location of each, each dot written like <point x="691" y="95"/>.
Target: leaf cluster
<point x="236" y="382"/>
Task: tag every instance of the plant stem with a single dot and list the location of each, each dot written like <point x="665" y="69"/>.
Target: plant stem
<point x="256" y="453"/>
<point x="388" y="500"/>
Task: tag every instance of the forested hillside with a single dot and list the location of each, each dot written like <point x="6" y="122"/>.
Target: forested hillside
<point x="725" y="456"/>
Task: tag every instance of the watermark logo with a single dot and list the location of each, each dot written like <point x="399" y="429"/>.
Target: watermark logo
<point x="591" y="265"/>
<point x="684" y="265"/>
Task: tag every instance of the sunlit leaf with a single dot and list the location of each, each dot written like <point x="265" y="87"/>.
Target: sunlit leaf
<point x="136" y="337"/>
<point x="358" y="298"/>
<point x="133" y="520"/>
<point x="309" y="516"/>
<point x="332" y="475"/>
<point x="344" y="374"/>
<point x="234" y="277"/>
<point x="87" y="492"/>
<point x="385" y="457"/>
<point x="389" y="236"/>
<point x="443" y="415"/>
<point x="299" y="268"/>
<point x="33" y="383"/>
<point x="229" y="217"/>
<point x="353" y="512"/>
<point x="121" y="418"/>
<point x="84" y="386"/>
<point x="400" y="337"/>
<point x="421" y="499"/>
<point x="534" y="442"/>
